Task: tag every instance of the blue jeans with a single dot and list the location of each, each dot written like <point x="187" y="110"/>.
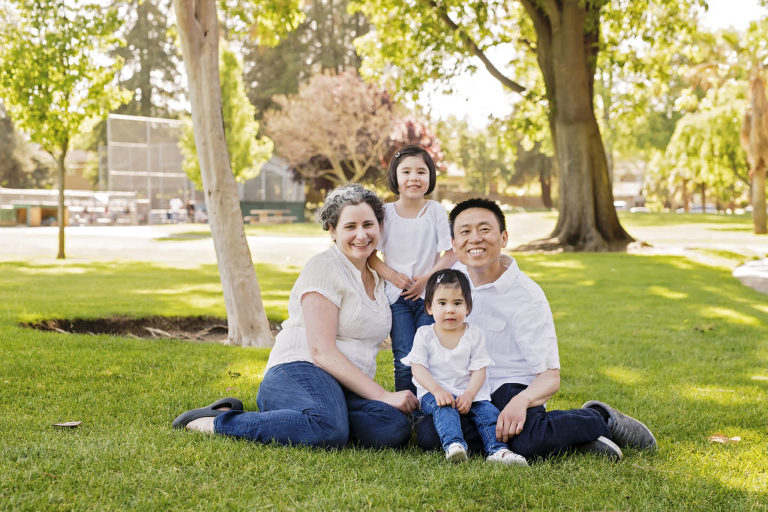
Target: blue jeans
<point x="300" y="403"/>
<point x="407" y="316"/>
<point x="544" y="433"/>
<point x="447" y="423"/>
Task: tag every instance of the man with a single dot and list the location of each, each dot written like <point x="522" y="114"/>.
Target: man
<point x="515" y="316"/>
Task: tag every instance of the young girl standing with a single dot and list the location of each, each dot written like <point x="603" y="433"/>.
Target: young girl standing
<point x="414" y="234"/>
<point x="448" y="360"/>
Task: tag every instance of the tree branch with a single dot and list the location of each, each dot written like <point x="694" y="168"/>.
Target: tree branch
<point x="476" y="50"/>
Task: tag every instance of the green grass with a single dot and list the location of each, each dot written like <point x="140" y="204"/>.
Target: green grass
<point x="198" y="231"/>
<point x="676" y="343"/>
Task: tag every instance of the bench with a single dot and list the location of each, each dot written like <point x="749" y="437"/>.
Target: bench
<point x="269" y="216"/>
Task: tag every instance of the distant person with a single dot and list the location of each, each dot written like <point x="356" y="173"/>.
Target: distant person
<point x="318" y="387"/>
<point x="448" y="361"/>
<point x="515" y="317"/>
<point x="414" y="235"/>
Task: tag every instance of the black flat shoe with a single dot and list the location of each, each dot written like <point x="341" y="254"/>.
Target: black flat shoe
<point x="231" y="402"/>
<point x="182" y="420"/>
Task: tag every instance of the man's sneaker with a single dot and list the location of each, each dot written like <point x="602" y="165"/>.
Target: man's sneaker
<point x="507" y="457"/>
<point x="601" y="446"/>
<point x="456" y="452"/>
<point x="625" y="430"/>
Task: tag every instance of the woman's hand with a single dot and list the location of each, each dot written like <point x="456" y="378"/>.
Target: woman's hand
<point x="464" y="402"/>
<point x="404" y="401"/>
<point x="444" y="398"/>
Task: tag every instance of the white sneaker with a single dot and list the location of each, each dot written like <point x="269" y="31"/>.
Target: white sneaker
<point x="507" y="457"/>
<point x="456" y="452"/>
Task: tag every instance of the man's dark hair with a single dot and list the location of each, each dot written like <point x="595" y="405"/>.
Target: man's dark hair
<point x="404" y="152"/>
<point x="478" y="202"/>
<point x="448" y="277"/>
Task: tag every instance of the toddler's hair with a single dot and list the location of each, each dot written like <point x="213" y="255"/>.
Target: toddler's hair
<point x="449" y="277"/>
<point x="404" y="152"/>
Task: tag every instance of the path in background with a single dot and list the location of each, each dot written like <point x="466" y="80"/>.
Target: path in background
<point x="145" y="243"/>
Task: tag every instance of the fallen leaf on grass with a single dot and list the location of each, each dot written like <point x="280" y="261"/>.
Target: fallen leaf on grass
<point x="723" y="439"/>
<point x="705" y="327"/>
<point x="68" y="424"/>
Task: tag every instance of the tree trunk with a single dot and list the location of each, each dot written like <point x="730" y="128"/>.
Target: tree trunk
<point x="567" y="47"/>
<point x="198" y="32"/>
<point x="60" y="220"/>
<point x="703" y="198"/>
<point x="545" y="180"/>
<point x="758" y="202"/>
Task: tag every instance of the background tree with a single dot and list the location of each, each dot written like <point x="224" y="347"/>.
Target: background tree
<point x="151" y="68"/>
<point x="198" y="28"/>
<point x="323" y="42"/>
<point x="247" y="153"/>
<point x="565" y="37"/>
<point x="21" y="165"/>
<point x="336" y="129"/>
<point x="50" y="80"/>
<point x="754" y="139"/>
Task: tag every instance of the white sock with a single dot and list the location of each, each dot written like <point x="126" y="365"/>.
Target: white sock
<point x="202" y="424"/>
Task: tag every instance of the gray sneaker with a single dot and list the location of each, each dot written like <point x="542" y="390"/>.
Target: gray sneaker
<point x="625" y="430"/>
<point x="601" y="446"/>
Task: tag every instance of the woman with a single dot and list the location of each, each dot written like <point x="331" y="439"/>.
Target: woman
<point x="318" y="389"/>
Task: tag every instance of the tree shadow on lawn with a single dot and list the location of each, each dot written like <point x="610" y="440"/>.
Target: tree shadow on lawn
<point x="130" y="289"/>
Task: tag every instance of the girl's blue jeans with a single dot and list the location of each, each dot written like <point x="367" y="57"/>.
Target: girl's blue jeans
<point x="300" y="403"/>
<point x="544" y="433"/>
<point x="407" y="316"/>
<point x="447" y="421"/>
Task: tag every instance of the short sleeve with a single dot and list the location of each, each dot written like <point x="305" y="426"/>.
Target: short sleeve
<point x="321" y="276"/>
<point x="478" y="357"/>
<point x="419" y="353"/>
<point x="442" y="227"/>
<point x="535" y="335"/>
<point x="385" y="227"/>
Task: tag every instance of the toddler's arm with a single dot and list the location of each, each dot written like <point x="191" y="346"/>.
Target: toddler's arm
<point x="402" y="281"/>
<point x="422" y="375"/>
<point x="476" y="379"/>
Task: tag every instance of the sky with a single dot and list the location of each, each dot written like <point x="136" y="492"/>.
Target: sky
<point x="477" y="96"/>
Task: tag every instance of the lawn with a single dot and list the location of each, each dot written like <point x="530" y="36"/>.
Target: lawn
<point x="679" y="344"/>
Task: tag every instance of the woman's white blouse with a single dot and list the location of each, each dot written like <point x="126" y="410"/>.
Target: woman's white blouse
<point x="362" y="323"/>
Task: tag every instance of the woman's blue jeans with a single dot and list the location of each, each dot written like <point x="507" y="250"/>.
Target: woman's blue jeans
<point x="407" y="316"/>
<point x="300" y="403"/>
<point x="544" y="433"/>
<point x="447" y="421"/>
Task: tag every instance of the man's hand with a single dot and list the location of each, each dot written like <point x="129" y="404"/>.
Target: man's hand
<point x="404" y="401"/>
<point x="444" y="398"/>
<point x="464" y="402"/>
<point x="512" y="419"/>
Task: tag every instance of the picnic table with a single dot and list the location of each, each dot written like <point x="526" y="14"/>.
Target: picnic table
<point x="269" y="216"/>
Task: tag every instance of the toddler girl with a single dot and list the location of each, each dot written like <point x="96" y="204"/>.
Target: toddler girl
<point x="448" y="361"/>
<point x="414" y="233"/>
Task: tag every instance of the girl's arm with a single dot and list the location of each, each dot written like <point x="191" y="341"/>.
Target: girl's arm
<point x="445" y="261"/>
<point x="321" y="319"/>
<point x="422" y="375"/>
<point x="402" y="281"/>
<point x="476" y="379"/>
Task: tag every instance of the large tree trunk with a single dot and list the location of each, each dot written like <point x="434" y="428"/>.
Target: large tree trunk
<point x="60" y="220"/>
<point x="198" y="32"/>
<point x="758" y="202"/>
<point x="567" y="47"/>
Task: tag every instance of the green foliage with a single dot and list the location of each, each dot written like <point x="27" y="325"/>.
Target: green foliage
<point x="247" y="152"/>
<point x="677" y="344"/>
<point x="20" y="165"/>
<point x="50" y="79"/>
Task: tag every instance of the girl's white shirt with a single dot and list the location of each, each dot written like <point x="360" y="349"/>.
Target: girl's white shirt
<point x="450" y="367"/>
<point x="362" y="323"/>
<point x="412" y="246"/>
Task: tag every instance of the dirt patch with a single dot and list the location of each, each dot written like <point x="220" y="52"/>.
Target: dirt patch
<point x="198" y="328"/>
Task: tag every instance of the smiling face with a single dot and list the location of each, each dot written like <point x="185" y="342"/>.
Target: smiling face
<point x="412" y="178"/>
<point x="478" y="240"/>
<point x="448" y="307"/>
<point x="356" y="233"/>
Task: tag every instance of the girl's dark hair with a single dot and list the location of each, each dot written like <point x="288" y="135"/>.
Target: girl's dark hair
<point x="449" y="277"/>
<point x="404" y="152"/>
